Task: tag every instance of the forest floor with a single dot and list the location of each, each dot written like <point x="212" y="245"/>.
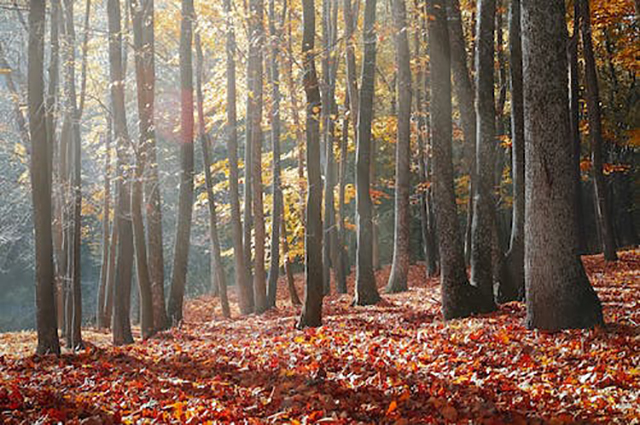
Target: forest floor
<point x="396" y="362"/>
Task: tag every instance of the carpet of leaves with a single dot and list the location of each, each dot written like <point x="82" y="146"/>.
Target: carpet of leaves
<point x="396" y="363"/>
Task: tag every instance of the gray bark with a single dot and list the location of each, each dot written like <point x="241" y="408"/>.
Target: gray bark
<point x="400" y="266"/>
<point x="41" y="185"/>
<point x="558" y="292"/>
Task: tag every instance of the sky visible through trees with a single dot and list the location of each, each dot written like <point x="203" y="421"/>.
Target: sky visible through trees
<point x="375" y="201"/>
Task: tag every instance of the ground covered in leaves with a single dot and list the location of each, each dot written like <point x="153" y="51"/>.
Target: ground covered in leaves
<point x="397" y="362"/>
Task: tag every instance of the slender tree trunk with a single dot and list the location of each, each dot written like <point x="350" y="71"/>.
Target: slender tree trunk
<point x="106" y="224"/>
<point x="366" y="289"/>
<point x="481" y="241"/>
<point x="111" y="268"/>
<point x="341" y="284"/>
<point x="595" y="133"/>
<point x="293" y="294"/>
<point x="296" y="120"/>
<point x="558" y="292"/>
<point x="457" y="294"/>
<point x="217" y="268"/>
<point x="254" y="121"/>
<point x="152" y="195"/>
<point x="275" y="30"/>
<point x="145" y="122"/>
<point x="40" y="185"/>
<point x="400" y="267"/>
<point x="311" y="315"/>
<point x="574" y="94"/>
<point x="73" y="114"/>
<point x="463" y="86"/>
<point x="185" y="203"/>
<point x="121" y="325"/>
<point x="511" y="284"/>
<point x="242" y="283"/>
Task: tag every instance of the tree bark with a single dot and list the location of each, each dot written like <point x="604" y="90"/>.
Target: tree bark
<point x="400" y="267"/>
<point x="457" y="294"/>
<point x="254" y="121"/>
<point x="595" y="133"/>
<point x="185" y="203"/>
<point x="145" y="123"/>
<point x="464" y="91"/>
<point x="558" y="292"/>
<point x="121" y="325"/>
<point x="481" y="240"/>
<point x="511" y="284"/>
<point x="106" y="224"/>
<point x="73" y="115"/>
<point x="41" y="185"/>
<point x="217" y="268"/>
<point x="275" y="30"/>
<point x="311" y="315"/>
<point x="152" y="195"/>
<point x="574" y="98"/>
<point x="366" y="289"/>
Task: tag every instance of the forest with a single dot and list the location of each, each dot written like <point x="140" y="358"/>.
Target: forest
<point x="319" y="211"/>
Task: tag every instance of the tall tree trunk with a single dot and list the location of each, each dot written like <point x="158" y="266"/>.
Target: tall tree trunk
<point x="185" y="203"/>
<point x="400" y="268"/>
<point x="595" y="133"/>
<point x="511" y="284"/>
<point x="41" y="185"/>
<point x="457" y="294"/>
<point x="111" y="268"/>
<point x="558" y="292"/>
<point x="145" y="123"/>
<point x="217" y="268"/>
<point x="481" y="241"/>
<point x="366" y="289"/>
<point x="574" y="95"/>
<point x="311" y="315"/>
<point x="152" y="195"/>
<point x="254" y="122"/>
<point x="242" y="283"/>
<point x="121" y="325"/>
<point x="430" y="236"/>
<point x="341" y="284"/>
<point x="106" y="224"/>
<point x="73" y="115"/>
<point x="463" y="86"/>
<point x="275" y="30"/>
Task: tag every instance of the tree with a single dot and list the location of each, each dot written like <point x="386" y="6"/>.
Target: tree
<point x="254" y="121"/>
<point x="457" y="294"/>
<point x="242" y="282"/>
<point x="106" y="224"/>
<point x="217" y="268"/>
<point x="185" y="203"/>
<point x="366" y="289"/>
<point x="574" y="99"/>
<point x="121" y="326"/>
<point x="483" y="216"/>
<point x="152" y="195"/>
<point x="511" y="284"/>
<point x="145" y="122"/>
<point x="558" y="292"/>
<point x="311" y="315"/>
<point x="464" y="90"/>
<point x="595" y="133"/>
<point x="274" y="80"/>
<point x="400" y="268"/>
<point x="41" y="185"/>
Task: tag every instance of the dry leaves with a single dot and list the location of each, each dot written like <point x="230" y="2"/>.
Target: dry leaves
<point x="396" y="363"/>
